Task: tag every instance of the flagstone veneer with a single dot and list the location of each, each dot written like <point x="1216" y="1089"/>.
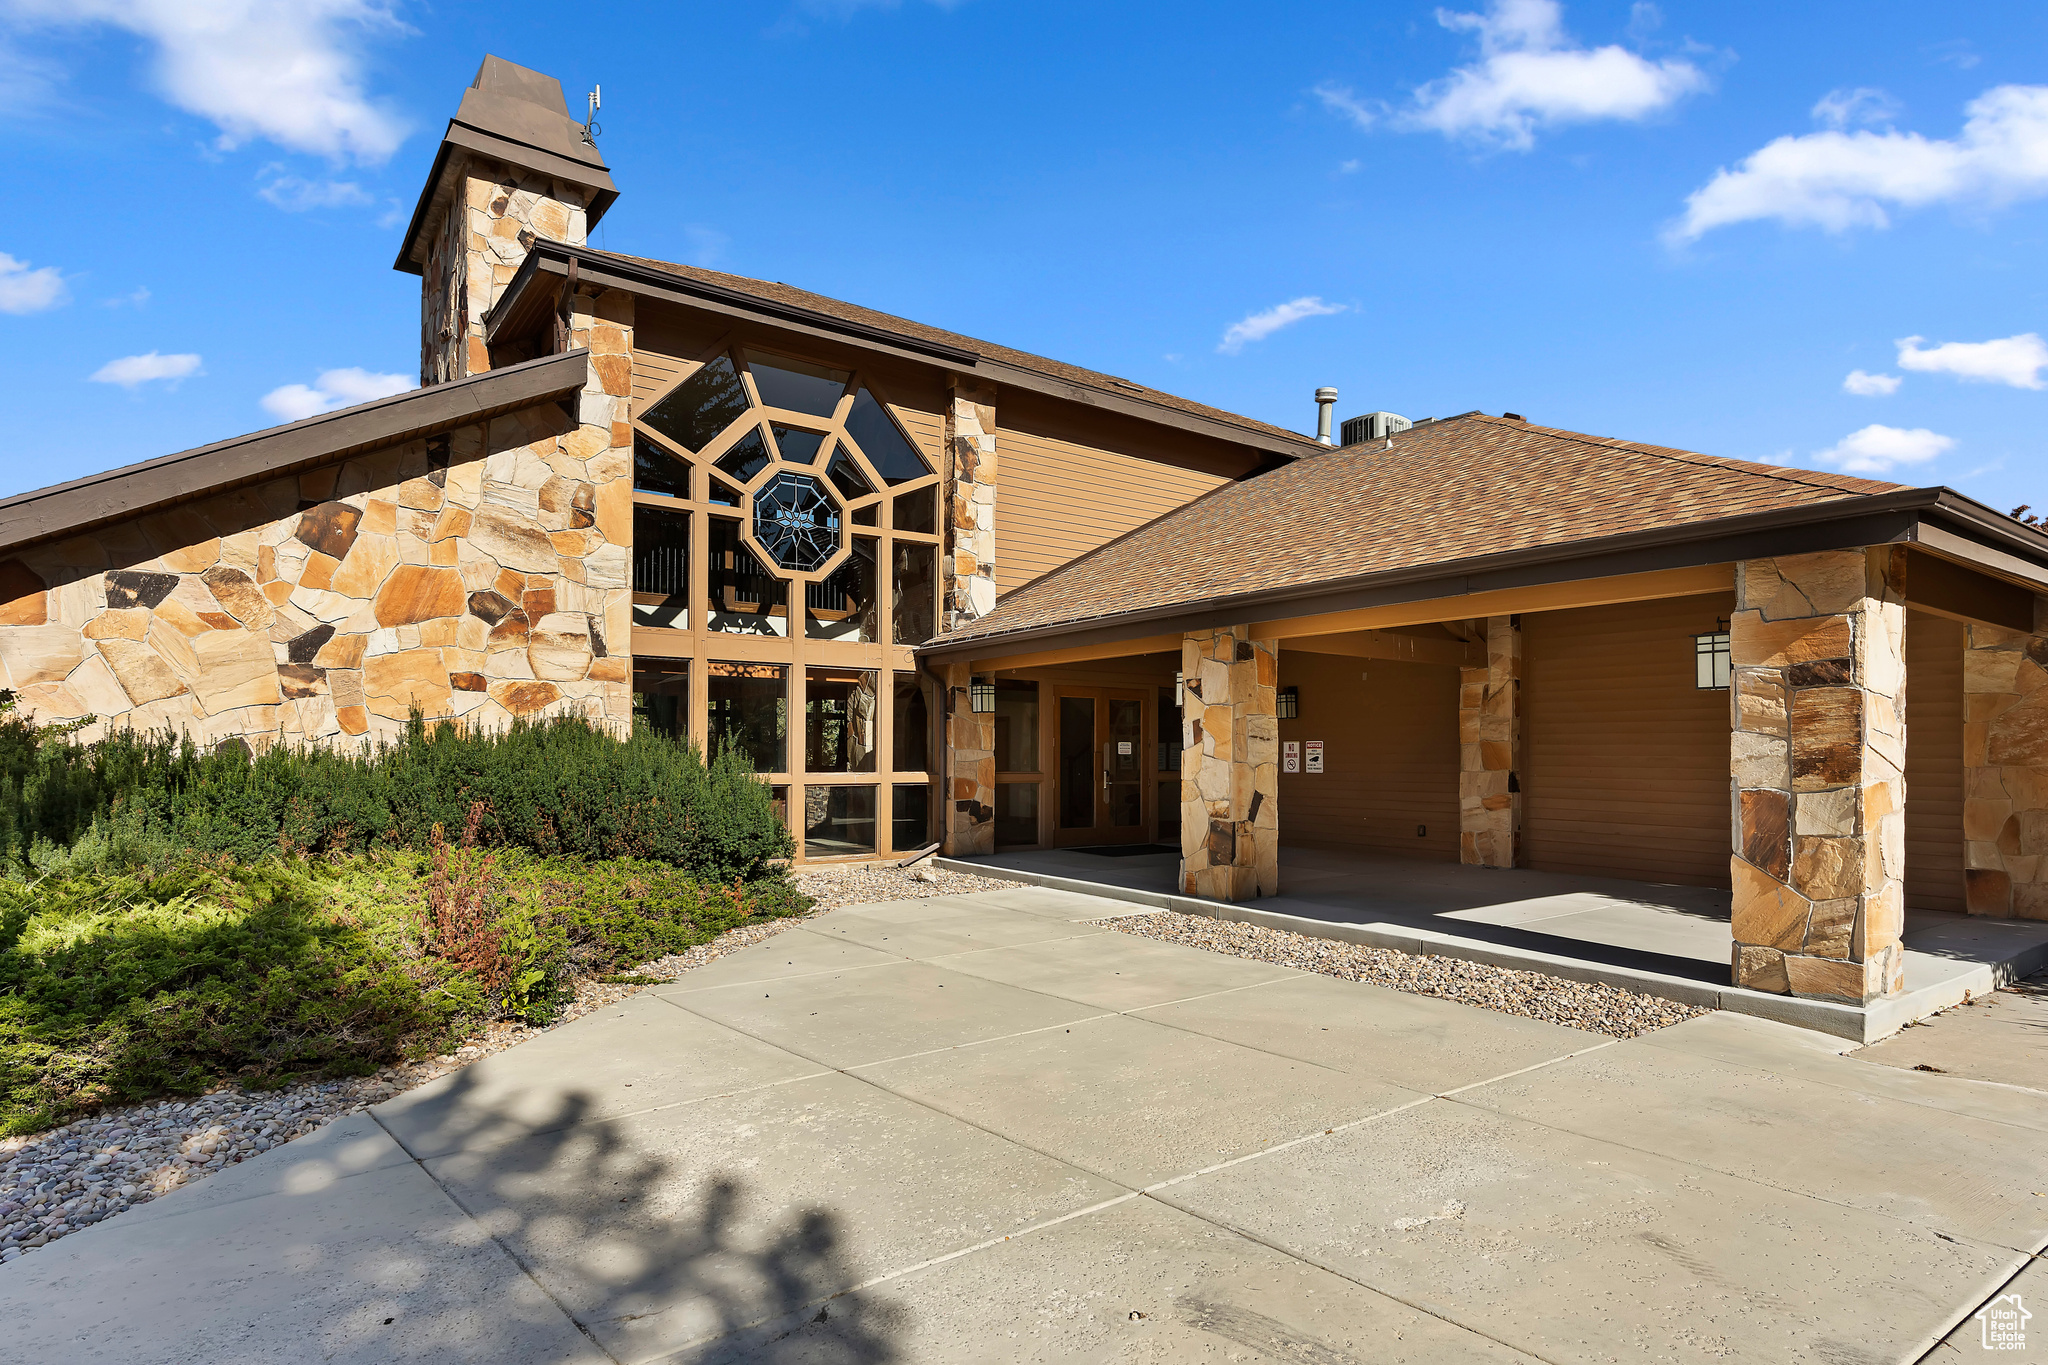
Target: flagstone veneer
<point x="970" y="501"/>
<point x="971" y="741"/>
<point x="480" y="574"/>
<point x="1489" y="733"/>
<point x="1230" y="766"/>
<point x="1818" y="759"/>
<point x="2005" y="769"/>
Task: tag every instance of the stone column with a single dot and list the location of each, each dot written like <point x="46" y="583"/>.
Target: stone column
<point x="603" y="325"/>
<point x="2005" y="769"/>
<point x="1489" y="742"/>
<point x="1818" y="757"/>
<point x="970" y="568"/>
<point x="476" y="249"/>
<point x="971" y="767"/>
<point x="1229" y="768"/>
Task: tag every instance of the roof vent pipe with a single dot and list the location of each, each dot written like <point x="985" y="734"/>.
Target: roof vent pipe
<point x="1326" y="400"/>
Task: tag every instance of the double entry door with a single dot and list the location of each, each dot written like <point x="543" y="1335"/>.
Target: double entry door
<point x="1099" y="778"/>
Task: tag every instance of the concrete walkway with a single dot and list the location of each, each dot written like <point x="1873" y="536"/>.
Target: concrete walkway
<point x="979" y="1129"/>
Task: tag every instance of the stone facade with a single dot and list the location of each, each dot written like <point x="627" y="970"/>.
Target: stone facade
<point x="970" y="817"/>
<point x="970" y="569"/>
<point x="1230" y="766"/>
<point x="1818" y="759"/>
<point x="476" y="249"/>
<point x="1489" y="740"/>
<point x="2005" y="769"/>
<point x="480" y="574"/>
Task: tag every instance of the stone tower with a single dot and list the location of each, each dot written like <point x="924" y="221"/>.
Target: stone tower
<point x="514" y="166"/>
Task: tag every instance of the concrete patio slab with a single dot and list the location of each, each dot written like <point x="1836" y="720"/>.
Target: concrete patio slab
<point x="352" y="1145"/>
<point x="1054" y="903"/>
<point x="920" y="929"/>
<point x="1760" y="1126"/>
<point x="662" y="1229"/>
<point x="793" y="952"/>
<point x="375" y="1267"/>
<point x="639" y="1054"/>
<point x="1137" y="1282"/>
<point x="1118" y="973"/>
<point x="2002" y="1036"/>
<point x="1411" y="1041"/>
<point x="1135" y="1101"/>
<point x="854" y="1018"/>
<point x="1573" y="1249"/>
<point x="1969" y="1341"/>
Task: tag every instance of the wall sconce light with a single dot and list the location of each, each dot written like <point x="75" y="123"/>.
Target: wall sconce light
<point x="981" y="695"/>
<point x="1712" y="659"/>
<point x="1287" y="702"/>
<point x="1180" y="689"/>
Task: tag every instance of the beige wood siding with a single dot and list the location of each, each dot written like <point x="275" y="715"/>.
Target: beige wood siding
<point x="1934" y="763"/>
<point x="1056" y="500"/>
<point x="653" y="372"/>
<point x="1390" y="755"/>
<point x="1625" y="760"/>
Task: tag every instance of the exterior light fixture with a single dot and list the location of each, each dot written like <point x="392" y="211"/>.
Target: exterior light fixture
<point x="1287" y="703"/>
<point x="981" y="694"/>
<point x="1711" y="659"/>
<point x="1180" y="689"/>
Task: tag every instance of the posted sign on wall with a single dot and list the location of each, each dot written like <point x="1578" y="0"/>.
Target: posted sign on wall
<point x="1290" y="756"/>
<point x="1315" y="755"/>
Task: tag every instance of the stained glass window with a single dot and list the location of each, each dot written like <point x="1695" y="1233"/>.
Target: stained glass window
<point x="796" y="521"/>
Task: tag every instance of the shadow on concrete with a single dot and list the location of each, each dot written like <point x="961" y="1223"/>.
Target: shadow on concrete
<point x="653" y="1262"/>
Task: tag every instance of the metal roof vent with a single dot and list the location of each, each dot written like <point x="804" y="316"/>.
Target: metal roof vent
<point x="1326" y="399"/>
<point x="1374" y="426"/>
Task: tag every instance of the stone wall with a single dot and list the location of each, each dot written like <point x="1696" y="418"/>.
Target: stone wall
<point x="970" y="826"/>
<point x="970" y="568"/>
<point x="2005" y="769"/>
<point x="480" y="574"/>
<point x="476" y="249"/>
<point x="1230" y="766"/>
<point x="1818" y="760"/>
<point x="1489" y="744"/>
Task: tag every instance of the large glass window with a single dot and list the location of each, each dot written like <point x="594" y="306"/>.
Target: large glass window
<point x="1016" y="726"/>
<point x="661" y="697"/>
<point x="799" y="445"/>
<point x="914" y="510"/>
<point x="748" y="709"/>
<point x="914" y="584"/>
<point x="883" y="442"/>
<point x="657" y="471"/>
<point x="748" y="457"/>
<point x="661" y="568"/>
<point x="1016" y="813"/>
<point x="703" y="406"/>
<point x="745" y="598"/>
<point x="913" y="725"/>
<point x="843" y="606"/>
<point x="910" y="824"/>
<point x="839" y="821"/>
<point x="796" y="385"/>
<point x="841" y="712"/>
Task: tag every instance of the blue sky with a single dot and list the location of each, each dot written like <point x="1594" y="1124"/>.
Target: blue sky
<point x="1683" y="224"/>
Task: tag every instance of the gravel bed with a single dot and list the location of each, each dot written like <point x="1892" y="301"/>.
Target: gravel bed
<point x="836" y="887"/>
<point x="56" y="1182"/>
<point x="1597" y="1008"/>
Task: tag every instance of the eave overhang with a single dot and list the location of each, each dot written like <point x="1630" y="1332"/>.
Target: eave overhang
<point x="1937" y="521"/>
<point x="68" y="509"/>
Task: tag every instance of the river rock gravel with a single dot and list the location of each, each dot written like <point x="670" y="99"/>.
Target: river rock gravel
<point x="1593" y="1006"/>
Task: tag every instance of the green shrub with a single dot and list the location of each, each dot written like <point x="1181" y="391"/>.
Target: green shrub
<point x="117" y="985"/>
<point x="558" y="787"/>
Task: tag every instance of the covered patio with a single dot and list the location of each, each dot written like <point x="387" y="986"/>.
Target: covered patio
<point x="1667" y="940"/>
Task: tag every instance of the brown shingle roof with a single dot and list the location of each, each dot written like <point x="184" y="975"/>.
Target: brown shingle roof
<point x="1446" y="491"/>
<point x="1023" y="360"/>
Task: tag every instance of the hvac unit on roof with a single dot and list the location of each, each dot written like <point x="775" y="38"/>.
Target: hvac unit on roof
<point x="1374" y="426"/>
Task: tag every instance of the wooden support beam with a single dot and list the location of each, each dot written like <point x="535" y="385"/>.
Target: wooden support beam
<point x="1386" y="644"/>
<point x="1585" y="592"/>
<point x="1943" y="587"/>
<point x="1113" y="649"/>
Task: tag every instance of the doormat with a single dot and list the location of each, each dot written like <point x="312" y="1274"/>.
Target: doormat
<point x="1128" y="850"/>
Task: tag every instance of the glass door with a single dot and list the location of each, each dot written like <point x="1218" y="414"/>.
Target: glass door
<point x="1077" y="763"/>
<point x="1123" y="753"/>
<point x="1101" y="775"/>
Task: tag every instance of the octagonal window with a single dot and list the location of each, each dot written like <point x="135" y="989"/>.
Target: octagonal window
<point x="796" y="521"/>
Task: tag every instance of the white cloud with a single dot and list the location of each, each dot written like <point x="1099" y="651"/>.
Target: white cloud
<point x="1878" y="449"/>
<point x="289" y="71"/>
<point x="23" y="290"/>
<point x="333" y="389"/>
<point x="1864" y="104"/>
<point x="137" y="299"/>
<point x="1870" y="385"/>
<point x="1259" y="326"/>
<point x="2017" y="361"/>
<point x="295" y="195"/>
<point x="1838" y="180"/>
<point x="1531" y="75"/>
<point x="131" y="370"/>
<point x="1339" y="99"/>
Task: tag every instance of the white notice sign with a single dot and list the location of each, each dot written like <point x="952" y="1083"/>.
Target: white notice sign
<point x="1123" y="748"/>
<point x="1315" y="755"/>
<point x="1290" y="756"/>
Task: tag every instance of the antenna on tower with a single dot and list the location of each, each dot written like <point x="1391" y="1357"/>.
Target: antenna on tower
<point x="591" y="127"/>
